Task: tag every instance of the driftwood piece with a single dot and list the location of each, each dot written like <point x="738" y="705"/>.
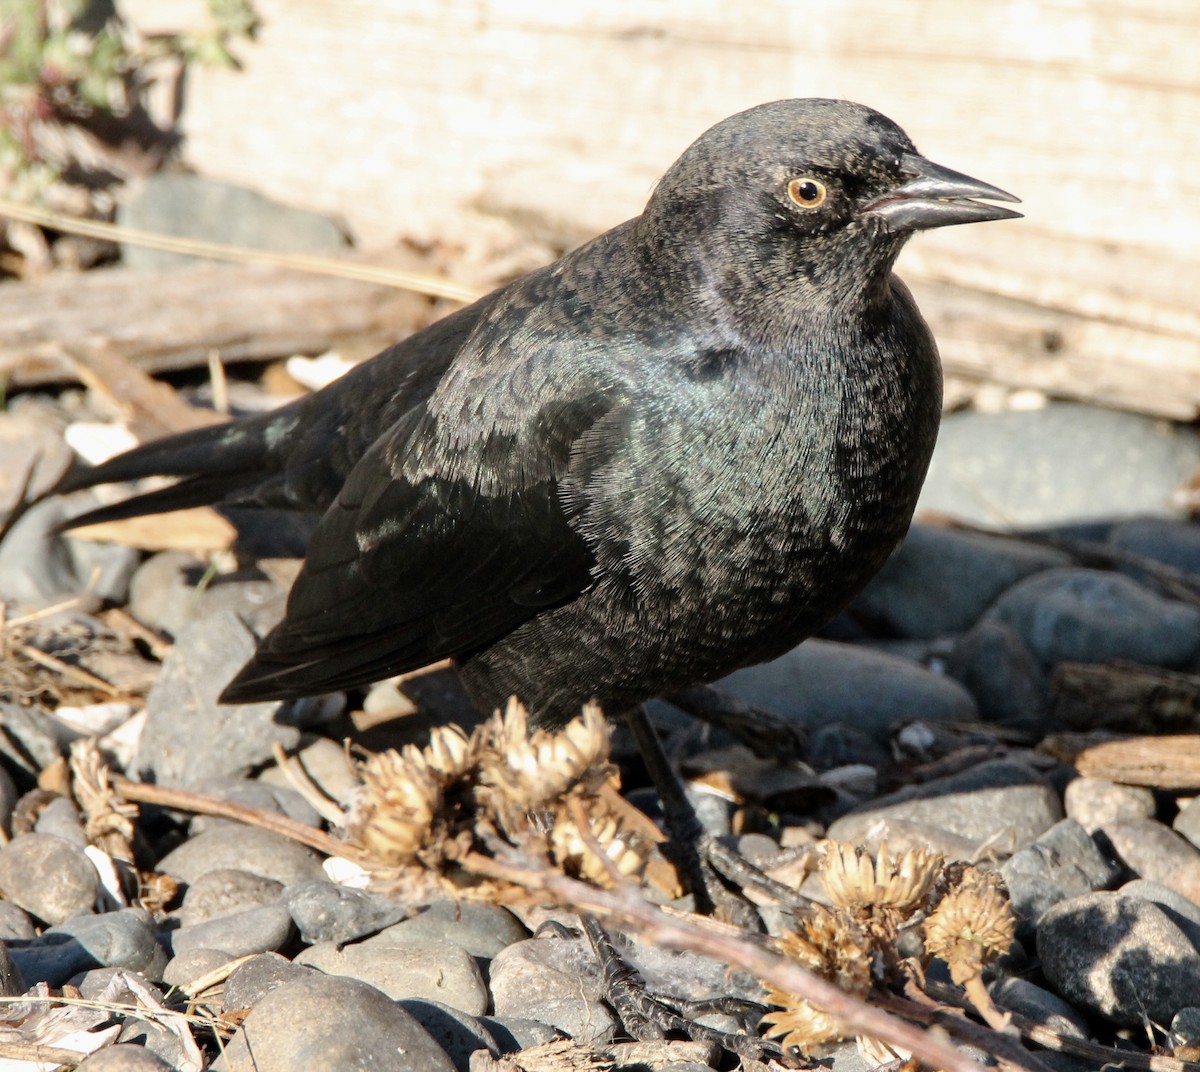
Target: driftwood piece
<point x="1126" y="697"/>
<point x="1157" y="762"/>
<point x="166" y="320"/>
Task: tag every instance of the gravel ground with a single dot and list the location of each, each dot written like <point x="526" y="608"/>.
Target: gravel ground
<point x="1026" y="703"/>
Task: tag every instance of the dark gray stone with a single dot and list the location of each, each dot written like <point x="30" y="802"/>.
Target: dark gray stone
<point x="29" y="743"/>
<point x="48" y="877"/>
<point x="481" y="929"/>
<point x="555" y="981"/>
<point x="265" y="929"/>
<point x="303" y="1024"/>
<point x="261" y="852"/>
<point x="224" y="892"/>
<point x="435" y="970"/>
<point x="183" y="969"/>
<point x="61" y="818"/>
<point x="197" y="206"/>
<point x="1182" y="911"/>
<point x="1064" y="462"/>
<point x="1173" y="543"/>
<point x="1042" y="1007"/>
<point x="458" y="1034"/>
<point x="821" y="682"/>
<point x="325" y="912"/>
<point x="512" y="1033"/>
<point x="1085" y="615"/>
<point x="248" y="983"/>
<point x="1001" y="801"/>
<point x="1119" y="957"/>
<point x="15" y="923"/>
<point x="994" y="664"/>
<point x="1094" y="802"/>
<point x="253" y="794"/>
<point x="941" y="580"/>
<point x="38" y="566"/>
<point x="126" y="1057"/>
<point x="121" y="939"/>
<point x="1063" y="862"/>
<point x="1151" y="850"/>
<point x="183" y="717"/>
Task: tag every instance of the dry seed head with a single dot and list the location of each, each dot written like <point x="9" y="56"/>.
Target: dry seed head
<point x="854" y="880"/>
<point x="834" y="948"/>
<point x="533" y="769"/>
<point x="573" y="853"/>
<point x="972" y="925"/>
<point x="393" y="811"/>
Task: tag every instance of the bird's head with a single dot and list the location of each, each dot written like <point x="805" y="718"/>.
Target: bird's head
<point x="812" y="194"/>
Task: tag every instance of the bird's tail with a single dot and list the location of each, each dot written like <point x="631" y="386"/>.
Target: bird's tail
<point x="217" y="463"/>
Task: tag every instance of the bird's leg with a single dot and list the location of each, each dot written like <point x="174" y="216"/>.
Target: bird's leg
<point x="698" y="852"/>
<point x="646" y="1016"/>
<point x="689" y="840"/>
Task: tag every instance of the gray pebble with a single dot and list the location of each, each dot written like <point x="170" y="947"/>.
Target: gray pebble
<point x="261" y="852"/>
<point x="457" y="1033"/>
<point x="941" y="580"/>
<point x="326" y="912"/>
<point x="283" y="800"/>
<point x="1119" y="957"/>
<point x="904" y="834"/>
<point x="15" y="923"/>
<point x="1173" y="543"/>
<point x="1153" y="851"/>
<point x="127" y="1057"/>
<point x="183" y="717"/>
<point x="1187" y="822"/>
<point x="31" y="449"/>
<point x="1092" y="616"/>
<point x="61" y="818"/>
<point x="254" y="930"/>
<point x="112" y="985"/>
<point x="1094" y="802"/>
<point x="183" y="969"/>
<point x="481" y="929"/>
<point x="513" y="1033"/>
<point x="39" y="566"/>
<point x="162" y="593"/>
<point x="1001" y="801"/>
<point x="121" y="939"/>
<point x="822" y="681"/>
<point x="29" y="743"/>
<point x="248" y="983"/>
<point x="1063" y="462"/>
<point x="225" y="891"/>
<point x="48" y="877"/>
<point x="1183" y="911"/>
<point x="302" y="1024"/>
<point x="1061" y="863"/>
<point x="994" y="664"/>
<point x="1042" y="1007"/>
<point x="154" y="1038"/>
<point x="439" y="971"/>
<point x="325" y="762"/>
<point x="556" y="981"/>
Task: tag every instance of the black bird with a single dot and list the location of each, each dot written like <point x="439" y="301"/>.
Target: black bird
<point x="678" y="450"/>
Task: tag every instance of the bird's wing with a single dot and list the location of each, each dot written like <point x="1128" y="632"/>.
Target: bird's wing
<point x="432" y="550"/>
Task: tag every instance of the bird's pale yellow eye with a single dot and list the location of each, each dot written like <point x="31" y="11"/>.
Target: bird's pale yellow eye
<point x="807" y="192"/>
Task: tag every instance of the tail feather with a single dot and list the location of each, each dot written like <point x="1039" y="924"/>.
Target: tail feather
<point x="195" y="491"/>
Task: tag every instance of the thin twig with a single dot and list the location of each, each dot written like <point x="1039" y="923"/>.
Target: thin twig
<point x="185" y="800"/>
<point x="302" y="262"/>
<point x="627" y="908"/>
<point x="76" y="673"/>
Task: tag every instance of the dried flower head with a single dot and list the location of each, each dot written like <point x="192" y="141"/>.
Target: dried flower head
<point x="534" y="768"/>
<point x="854" y="880"/>
<point x="577" y="853"/>
<point x="835" y="948"/>
<point x="972" y="925"/>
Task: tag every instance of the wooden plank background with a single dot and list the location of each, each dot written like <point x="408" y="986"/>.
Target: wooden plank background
<point x="488" y="120"/>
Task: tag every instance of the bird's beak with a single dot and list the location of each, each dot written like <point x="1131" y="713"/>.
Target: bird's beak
<point x="935" y="196"/>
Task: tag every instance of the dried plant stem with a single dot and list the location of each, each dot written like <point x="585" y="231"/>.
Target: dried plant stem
<point x="626" y="907"/>
<point x="185" y="800"/>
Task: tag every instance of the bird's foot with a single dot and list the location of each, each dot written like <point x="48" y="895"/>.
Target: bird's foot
<point x="647" y="1016"/>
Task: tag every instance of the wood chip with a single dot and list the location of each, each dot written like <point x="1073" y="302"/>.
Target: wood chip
<point x="1157" y="762"/>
